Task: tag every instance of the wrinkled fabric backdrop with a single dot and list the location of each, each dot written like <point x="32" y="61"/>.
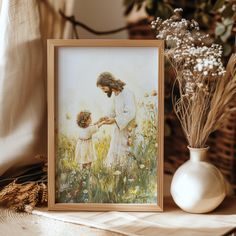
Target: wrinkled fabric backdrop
<point x="25" y="26"/>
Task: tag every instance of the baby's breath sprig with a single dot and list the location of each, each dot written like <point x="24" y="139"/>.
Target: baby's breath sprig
<point x="201" y="77"/>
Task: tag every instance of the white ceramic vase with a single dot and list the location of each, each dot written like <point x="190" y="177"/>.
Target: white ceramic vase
<point x="198" y="186"/>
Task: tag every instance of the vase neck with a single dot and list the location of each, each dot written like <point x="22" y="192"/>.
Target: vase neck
<point x="198" y="154"/>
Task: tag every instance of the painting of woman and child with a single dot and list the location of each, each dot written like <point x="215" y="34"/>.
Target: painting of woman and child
<point x="107" y="139"/>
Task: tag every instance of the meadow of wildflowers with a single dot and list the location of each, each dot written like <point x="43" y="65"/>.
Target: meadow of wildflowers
<point x="132" y="181"/>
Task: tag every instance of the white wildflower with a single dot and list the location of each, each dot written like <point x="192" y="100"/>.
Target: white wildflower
<point x="131" y="180"/>
<point x="117" y="172"/>
<point x="137" y="188"/>
<point x="142" y="166"/>
<point x="85" y="191"/>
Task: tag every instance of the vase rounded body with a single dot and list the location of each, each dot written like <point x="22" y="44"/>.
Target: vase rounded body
<point x="198" y="186"/>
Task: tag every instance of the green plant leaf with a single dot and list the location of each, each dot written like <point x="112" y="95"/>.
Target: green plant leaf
<point x="220" y="29"/>
<point x="129" y="7"/>
<point x="128" y="2"/>
<point x="228" y="12"/>
<point x="228" y="21"/>
<point x="227" y="33"/>
<point x="218" y="5"/>
<point x="227" y="48"/>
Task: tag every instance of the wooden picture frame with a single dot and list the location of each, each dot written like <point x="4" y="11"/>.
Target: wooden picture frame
<point x="66" y="64"/>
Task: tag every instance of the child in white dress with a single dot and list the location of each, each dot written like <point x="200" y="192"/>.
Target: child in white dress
<point x="84" y="150"/>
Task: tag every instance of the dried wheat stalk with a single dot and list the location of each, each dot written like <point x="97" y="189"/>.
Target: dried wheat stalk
<point x="205" y="88"/>
<point x="24" y="196"/>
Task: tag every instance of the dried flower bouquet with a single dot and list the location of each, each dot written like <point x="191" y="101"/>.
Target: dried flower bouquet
<point x="205" y="87"/>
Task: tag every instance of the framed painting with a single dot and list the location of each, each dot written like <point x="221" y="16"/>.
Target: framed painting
<point x="105" y="125"/>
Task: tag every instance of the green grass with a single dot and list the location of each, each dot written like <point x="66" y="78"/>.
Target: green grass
<point x="134" y="181"/>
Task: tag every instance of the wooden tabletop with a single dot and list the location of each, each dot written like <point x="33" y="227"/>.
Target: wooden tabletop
<point x="22" y="224"/>
<point x="172" y="221"/>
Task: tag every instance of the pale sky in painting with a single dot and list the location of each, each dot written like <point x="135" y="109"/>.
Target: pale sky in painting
<point x="78" y="69"/>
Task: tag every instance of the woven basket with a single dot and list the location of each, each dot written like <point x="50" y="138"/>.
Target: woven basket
<point x="222" y="152"/>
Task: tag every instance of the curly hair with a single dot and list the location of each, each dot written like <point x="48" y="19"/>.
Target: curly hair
<point x="82" y="119"/>
<point x="109" y="80"/>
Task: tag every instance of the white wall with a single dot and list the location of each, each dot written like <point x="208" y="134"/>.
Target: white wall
<point x="101" y="15"/>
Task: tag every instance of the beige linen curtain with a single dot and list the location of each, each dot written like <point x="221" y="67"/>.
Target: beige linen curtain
<point x="24" y="27"/>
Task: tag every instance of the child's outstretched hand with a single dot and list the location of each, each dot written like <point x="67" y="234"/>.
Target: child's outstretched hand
<point x="101" y="123"/>
<point x="103" y="118"/>
<point x="110" y="121"/>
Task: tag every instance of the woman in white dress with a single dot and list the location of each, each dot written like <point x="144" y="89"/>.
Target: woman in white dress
<point x="84" y="150"/>
<point x="123" y="111"/>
